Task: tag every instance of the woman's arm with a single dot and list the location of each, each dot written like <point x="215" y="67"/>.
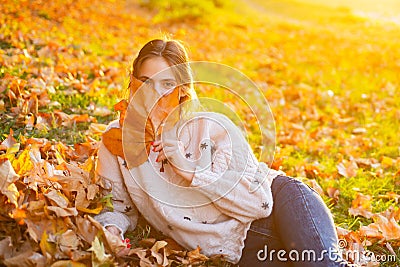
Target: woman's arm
<point x="235" y="181"/>
<point x="245" y="195"/>
<point x="237" y="184"/>
<point x="125" y="215"/>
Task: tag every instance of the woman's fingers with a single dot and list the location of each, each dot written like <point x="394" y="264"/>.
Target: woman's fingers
<point x="124" y="251"/>
<point x="157" y="148"/>
<point x="158" y="145"/>
<point x="114" y="230"/>
<point x="161" y="156"/>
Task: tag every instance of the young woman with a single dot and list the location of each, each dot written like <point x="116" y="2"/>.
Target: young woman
<point x="251" y="214"/>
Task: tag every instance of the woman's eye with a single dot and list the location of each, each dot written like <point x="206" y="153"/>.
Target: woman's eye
<point x="169" y="85"/>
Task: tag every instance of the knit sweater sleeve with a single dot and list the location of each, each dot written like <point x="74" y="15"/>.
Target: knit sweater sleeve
<point x="237" y="184"/>
<point x="124" y="215"/>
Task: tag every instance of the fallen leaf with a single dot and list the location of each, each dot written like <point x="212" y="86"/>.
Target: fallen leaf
<point x="63" y="212"/>
<point x="121" y="106"/>
<point x="387" y="162"/>
<point x="10" y="140"/>
<point x="333" y="193"/>
<point x="112" y="139"/>
<point x="361" y="205"/>
<point x="97" y="128"/>
<point x="67" y="263"/>
<point x="7" y="179"/>
<point x="58" y="198"/>
<point x="47" y="248"/>
<point x="68" y="242"/>
<point x="26" y="259"/>
<point x="195" y="256"/>
<point x="99" y="258"/>
<point x="6" y="248"/>
<point x="86" y="230"/>
<point x="389" y="227"/>
<point x="347" y="169"/>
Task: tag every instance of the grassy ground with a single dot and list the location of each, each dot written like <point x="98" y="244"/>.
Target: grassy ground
<point x="331" y="79"/>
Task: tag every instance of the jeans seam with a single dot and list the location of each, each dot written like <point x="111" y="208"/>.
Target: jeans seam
<point x="261" y="233"/>
<point x="321" y="243"/>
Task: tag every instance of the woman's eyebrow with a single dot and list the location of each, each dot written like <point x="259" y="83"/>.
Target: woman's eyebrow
<point x="168" y="79"/>
<point x="143" y="77"/>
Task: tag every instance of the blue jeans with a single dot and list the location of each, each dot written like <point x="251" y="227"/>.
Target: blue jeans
<point x="300" y="229"/>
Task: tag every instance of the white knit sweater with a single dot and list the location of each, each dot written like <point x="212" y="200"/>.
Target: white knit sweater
<point x="229" y="190"/>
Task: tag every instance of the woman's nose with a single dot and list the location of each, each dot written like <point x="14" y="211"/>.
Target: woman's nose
<point x="159" y="88"/>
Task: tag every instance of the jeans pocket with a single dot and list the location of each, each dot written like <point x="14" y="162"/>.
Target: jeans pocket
<point x="264" y="227"/>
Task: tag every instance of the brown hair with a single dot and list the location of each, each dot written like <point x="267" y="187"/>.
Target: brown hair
<point x="175" y="54"/>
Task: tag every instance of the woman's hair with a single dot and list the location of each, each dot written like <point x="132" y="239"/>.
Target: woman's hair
<point x="176" y="56"/>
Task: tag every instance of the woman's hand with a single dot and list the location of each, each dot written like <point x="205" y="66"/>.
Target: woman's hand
<point x="115" y="231"/>
<point x="173" y="151"/>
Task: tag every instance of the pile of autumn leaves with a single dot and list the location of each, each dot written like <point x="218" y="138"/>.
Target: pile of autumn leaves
<point x="49" y="191"/>
<point x="49" y="194"/>
<point x="46" y="211"/>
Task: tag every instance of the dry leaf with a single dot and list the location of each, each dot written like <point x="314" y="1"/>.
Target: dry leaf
<point x="57" y="198"/>
<point x="67" y="263"/>
<point x="112" y="139"/>
<point x="7" y="179"/>
<point x="10" y="140"/>
<point x="333" y="193"/>
<point x="63" y="212"/>
<point x="195" y="256"/>
<point x="121" y="106"/>
<point x="26" y="259"/>
<point x="6" y="248"/>
<point x="347" y="169"/>
<point x="80" y="200"/>
<point x="389" y="227"/>
<point x="86" y="230"/>
<point x="361" y="205"/>
<point x="68" y="241"/>
<point x="99" y="258"/>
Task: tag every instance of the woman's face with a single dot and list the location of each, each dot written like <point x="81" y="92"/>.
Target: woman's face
<point x="163" y="82"/>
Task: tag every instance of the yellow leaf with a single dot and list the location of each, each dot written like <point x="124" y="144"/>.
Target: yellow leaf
<point x="13" y="149"/>
<point x="59" y="158"/>
<point x="68" y="263"/>
<point x="23" y="163"/>
<point x="96" y="210"/>
<point x="387" y="162"/>
<point x="45" y="246"/>
<point x="97" y="128"/>
<point x="99" y="255"/>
